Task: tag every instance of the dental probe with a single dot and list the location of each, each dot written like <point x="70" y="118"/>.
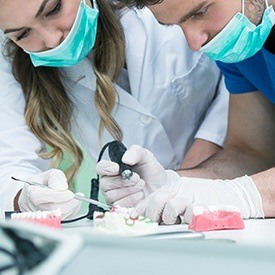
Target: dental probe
<point x="77" y="197"/>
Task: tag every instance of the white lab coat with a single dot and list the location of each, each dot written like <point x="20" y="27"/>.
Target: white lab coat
<point x="170" y="96"/>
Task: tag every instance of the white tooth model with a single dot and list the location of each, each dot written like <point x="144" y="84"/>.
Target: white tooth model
<point x="46" y="218"/>
<point x="122" y="221"/>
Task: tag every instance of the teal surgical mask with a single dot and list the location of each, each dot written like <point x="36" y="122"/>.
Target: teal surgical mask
<point x="240" y="39"/>
<point x="78" y="43"/>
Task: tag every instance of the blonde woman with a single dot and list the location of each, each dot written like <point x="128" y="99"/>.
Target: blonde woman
<point x="76" y="74"/>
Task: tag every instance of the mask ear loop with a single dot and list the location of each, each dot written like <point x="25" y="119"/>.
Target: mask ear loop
<point x="266" y="2"/>
<point x="95" y="5"/>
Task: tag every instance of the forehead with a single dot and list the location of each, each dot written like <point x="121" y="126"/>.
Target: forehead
<point x="169" y="11"/>
<point x="8" y="7"/>
<point x="10" y="10"/>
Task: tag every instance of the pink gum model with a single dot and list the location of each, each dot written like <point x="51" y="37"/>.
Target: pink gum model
<point x="216" y="220"/>
<point x="50" y="219"/>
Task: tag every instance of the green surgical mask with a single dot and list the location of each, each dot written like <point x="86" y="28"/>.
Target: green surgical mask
<point x="240" y="39"/>
<point x="78" y="43"/>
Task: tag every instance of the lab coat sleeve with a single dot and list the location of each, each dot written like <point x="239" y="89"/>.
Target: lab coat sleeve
<point x="18" y="146"/>
<point x="214" y="126"/>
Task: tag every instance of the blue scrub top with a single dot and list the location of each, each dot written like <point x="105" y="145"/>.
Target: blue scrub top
<point x="256" y="73"/>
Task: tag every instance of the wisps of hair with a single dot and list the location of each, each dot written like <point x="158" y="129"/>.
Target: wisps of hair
<point x="108" y="59"/>
<point x="48" y="109"/>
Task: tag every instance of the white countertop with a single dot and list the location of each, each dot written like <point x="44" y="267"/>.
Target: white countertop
<point x="248" y="251"/>
<point x="256" y="232"/>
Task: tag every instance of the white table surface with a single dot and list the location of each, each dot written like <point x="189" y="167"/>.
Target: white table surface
<point x="251" y="252"/>
<point x="256" y="232"/>
<point x="247" y="251"/>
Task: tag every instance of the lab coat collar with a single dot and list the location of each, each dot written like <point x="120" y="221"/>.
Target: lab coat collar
<point x="131" y="102"/>
<point x="83" y="74"/>
<point x="135" y="49"/>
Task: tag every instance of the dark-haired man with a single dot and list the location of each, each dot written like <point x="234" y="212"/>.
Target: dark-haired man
<point x="240" y="36"/>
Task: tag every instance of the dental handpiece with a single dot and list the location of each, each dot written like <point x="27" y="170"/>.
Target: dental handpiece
<point x="116" y="152"/>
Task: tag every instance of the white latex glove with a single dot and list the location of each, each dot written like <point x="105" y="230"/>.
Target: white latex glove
<point x="34" y="198"/>
<point x="178" y="198"/>
<point x="148" y="176"/>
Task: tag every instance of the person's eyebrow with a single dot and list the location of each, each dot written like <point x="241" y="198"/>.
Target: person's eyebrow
<point x="13" y="30"/>
<point x="192" y="12"/>
<point x="42" y="7"/>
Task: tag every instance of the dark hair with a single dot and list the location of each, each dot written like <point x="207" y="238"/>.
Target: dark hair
<point x="139" y="3"/>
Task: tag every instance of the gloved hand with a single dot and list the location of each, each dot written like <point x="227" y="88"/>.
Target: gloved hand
<point x="148" y="176"/>
<point x="34" y="198"/>
<point x="178" y="198"/>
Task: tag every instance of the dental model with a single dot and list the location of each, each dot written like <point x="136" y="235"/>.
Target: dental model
<point x="207" y="218"/>
<point x="50" y="219"/>
<point x="121" y="221"/>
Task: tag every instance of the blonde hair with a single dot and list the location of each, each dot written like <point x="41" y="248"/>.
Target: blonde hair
<point x="48" y="108"/>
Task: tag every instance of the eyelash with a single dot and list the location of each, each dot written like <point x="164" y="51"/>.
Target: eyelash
<point x="56" y="8"/>
<point x="200" y="13"/>
<point x="54" y="11"/>
<point x="23" y="35"/>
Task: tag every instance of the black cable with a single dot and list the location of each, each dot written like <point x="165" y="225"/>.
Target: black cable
<point x="15" y="264"/>
<point x="7" y="252"/>
<point x="76" y="219"/>
<point x="95" y="187"/>
<point x="93" y="193"/>
<point x="7" y="267"/>
<point x="102" y="152"/>
<point x="26" y="250"/>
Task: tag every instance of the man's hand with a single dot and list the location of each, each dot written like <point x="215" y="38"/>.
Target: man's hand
<point x="34" y="198"/>
<point x="148" y="176"/>
<point x="174" y="199"/>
